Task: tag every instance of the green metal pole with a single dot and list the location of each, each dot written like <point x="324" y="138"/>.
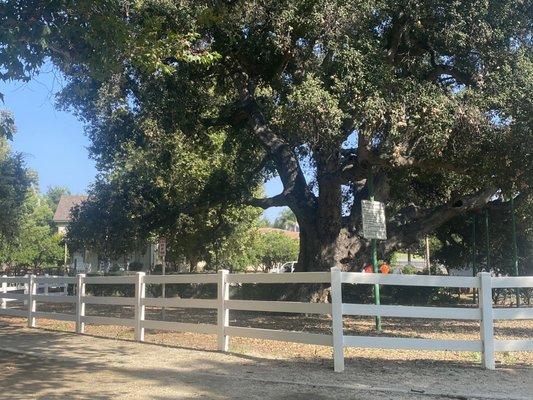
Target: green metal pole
<point x="487" y="238"/>
<point x="373" y="243"/>
<point x="515" y="249"/>
<point x="474" y="266"/>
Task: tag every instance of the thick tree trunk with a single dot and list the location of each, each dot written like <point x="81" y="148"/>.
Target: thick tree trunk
<point x="321" y="252"/>
<point x="325" y="241"/>
<point x="345" y="251"/>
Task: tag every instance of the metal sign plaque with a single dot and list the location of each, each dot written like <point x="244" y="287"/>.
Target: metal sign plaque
<point x="374" y="224"/>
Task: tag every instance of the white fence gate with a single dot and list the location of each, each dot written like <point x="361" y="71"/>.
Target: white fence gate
<point x="485" y="313"/>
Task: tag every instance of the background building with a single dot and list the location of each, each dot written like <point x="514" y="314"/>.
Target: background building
<point x="88" y="260"/>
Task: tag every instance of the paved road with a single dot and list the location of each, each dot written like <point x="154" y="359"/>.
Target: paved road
<point x="48" y="365"/>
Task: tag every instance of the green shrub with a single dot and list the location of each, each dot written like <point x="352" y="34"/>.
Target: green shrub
<point x="409" y="270"/>
<point x="125" y="290"/>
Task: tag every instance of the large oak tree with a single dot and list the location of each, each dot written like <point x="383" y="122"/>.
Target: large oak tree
<point x="434" y="97"/>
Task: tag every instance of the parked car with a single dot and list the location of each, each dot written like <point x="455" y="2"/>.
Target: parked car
<point x="287" y="267"/>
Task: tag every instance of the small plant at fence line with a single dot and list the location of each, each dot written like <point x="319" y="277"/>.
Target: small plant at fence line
<point x="409" y="270"/>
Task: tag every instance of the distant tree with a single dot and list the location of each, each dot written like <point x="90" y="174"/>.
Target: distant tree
<point x="26" y="238"/>
<point x="15" y="180"/>
<point x="102" y="223"/>
<point x="54" y="193"/>
<point x="140" y="202"/>
<point x="250" y="247"/>
<point x="274" y="248"/>
<point x="35" y="243"/>
<point x="220" y="237"/>
<point x="285" y="220"/>
<point x="264" y="223"/>
<point x="238" y="250"/>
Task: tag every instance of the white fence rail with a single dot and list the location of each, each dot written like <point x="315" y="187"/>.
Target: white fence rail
<point x="18" y="284"/>
<point x="485" y="313"/>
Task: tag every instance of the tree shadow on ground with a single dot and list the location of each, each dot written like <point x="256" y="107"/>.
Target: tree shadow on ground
<point x="26" y="377"/>
<point x="70" y="366"/>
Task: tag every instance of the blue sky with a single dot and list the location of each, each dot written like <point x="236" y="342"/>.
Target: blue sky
<point x="53" y="142"/>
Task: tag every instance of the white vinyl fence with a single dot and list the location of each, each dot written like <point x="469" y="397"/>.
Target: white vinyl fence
<point x="6" y="286"/>
<point x="485" y="313"/>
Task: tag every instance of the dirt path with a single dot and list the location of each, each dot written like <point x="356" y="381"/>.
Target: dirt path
<point x="47" y="365"/>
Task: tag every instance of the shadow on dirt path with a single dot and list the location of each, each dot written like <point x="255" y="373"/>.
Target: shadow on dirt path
<point x="47" y="364"/>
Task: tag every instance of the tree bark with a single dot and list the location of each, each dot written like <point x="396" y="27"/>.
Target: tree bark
<point x="345" y="251"/>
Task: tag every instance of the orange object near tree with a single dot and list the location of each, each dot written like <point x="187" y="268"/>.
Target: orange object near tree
<point x="384" y="268"/>
<point x="368" y="269"/>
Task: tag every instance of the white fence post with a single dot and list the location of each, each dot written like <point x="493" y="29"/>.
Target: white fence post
<point x="337" y="325"/>
<point x="140" y="292"/>
<point x="32" y="304"/>
<point x="26" y="290"/>
<point x="4" y="290"/>
<point x="80" y="305"/>
<point x="487" y="321"/>
<point x="46" y="286"/>
<point x="223" y="312"/>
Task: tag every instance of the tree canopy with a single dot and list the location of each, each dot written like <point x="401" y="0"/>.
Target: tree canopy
<point x="164" y="190"/>
<point x="15" y="180"/>
<point x="434" y="98"/>
<point x="36" y="243"/>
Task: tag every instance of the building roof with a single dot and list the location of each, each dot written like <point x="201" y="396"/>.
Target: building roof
<point x="291" y="234"/>
<point x="66" y="203"/>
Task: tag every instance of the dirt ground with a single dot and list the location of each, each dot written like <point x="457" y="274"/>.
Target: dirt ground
<point x="394" y="327"/>
<point x="46" y="364"/>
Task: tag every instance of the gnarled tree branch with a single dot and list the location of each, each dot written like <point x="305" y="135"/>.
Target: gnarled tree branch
<point x="357" y="161"/>
<point x="405" y="235"/>
<point x="274" y="201"/>
<point x="397" y="30"/>
<point x="442" y="69"/>
<point x="297" y="192"/>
